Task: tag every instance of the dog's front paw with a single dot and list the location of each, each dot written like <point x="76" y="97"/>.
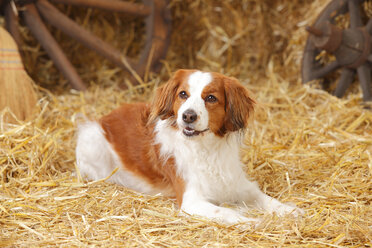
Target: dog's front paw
<point x="232" y="218"/>
<point x="284" y="209"/>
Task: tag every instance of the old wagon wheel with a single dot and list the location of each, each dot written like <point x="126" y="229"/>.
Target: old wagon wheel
<point x="33" y="12"/>
<point x="351" y="47"/>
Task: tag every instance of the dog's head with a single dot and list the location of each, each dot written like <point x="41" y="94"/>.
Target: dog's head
<point x="199" y="102"/>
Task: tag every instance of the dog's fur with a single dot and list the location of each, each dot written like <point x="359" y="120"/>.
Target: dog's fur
<point x="185" y="145"/>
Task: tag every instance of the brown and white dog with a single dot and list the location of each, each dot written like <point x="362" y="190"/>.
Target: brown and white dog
<point x="185" y="145"/>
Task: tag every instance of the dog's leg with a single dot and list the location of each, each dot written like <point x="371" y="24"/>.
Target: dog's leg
<point x="251" y="194"/>
<point x="193" y="203"/>
<point x="93" y="157"/>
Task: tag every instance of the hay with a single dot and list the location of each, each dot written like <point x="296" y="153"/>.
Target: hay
<point x="304" y="146"/>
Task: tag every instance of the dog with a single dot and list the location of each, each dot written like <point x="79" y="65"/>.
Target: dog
<point x="184" y="145"/>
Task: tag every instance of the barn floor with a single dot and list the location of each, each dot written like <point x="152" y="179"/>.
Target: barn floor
<point x="304" y="146"/>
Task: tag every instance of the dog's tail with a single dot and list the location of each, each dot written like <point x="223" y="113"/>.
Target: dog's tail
<point x="79" y="119"/>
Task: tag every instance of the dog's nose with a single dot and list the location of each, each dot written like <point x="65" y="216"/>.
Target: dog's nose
<point x="189" y="116"/>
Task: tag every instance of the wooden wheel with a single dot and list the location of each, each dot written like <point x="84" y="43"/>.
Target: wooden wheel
<point x="155" y="12"/>
<point x="351" y="47"/>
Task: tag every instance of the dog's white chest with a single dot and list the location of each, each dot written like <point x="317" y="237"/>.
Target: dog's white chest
<point x="210" y="165"/>
<point x="214" y="174"/>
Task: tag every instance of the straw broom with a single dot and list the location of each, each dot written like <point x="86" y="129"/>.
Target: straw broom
<point x="17" y="93"/>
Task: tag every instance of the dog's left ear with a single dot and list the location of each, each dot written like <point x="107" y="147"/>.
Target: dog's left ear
<point x="239" y="105"/>
<point x="162" y="105"/>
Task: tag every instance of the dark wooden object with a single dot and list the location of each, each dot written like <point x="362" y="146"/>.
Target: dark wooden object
<point x="155" y="12"/>
<point x="351" y="47"/>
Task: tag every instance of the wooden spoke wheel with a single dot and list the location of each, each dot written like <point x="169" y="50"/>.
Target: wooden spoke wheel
<point x="351" y="47"/>
<point x="35" y="12"/>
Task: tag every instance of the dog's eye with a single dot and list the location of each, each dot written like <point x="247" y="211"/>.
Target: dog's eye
<point x="210" y="98"/>
<point x="183" y="95"/>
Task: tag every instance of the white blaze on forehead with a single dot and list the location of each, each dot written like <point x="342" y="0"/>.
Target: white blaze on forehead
<point x="197" y="82"/>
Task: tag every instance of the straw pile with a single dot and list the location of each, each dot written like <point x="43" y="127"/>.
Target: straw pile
<point x="304" y="146"/>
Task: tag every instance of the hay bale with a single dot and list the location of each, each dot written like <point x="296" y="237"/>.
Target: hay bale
<point x="304" y="146"/>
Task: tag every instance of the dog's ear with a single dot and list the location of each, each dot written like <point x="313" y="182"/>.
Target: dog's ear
<point x="162" y="105"/>
<point x="238" y="105"/>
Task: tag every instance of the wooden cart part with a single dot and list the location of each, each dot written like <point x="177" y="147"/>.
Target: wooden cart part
<point x="34" y="12"/>
<point x="351" y="47"/>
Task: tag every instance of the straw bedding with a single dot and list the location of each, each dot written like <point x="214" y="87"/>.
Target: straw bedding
<point x="303" y="145"/>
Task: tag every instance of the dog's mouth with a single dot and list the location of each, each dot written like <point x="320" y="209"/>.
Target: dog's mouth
<point x="190" y="132"/>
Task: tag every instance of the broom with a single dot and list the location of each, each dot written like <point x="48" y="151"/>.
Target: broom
<point x="17" y="92"/>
